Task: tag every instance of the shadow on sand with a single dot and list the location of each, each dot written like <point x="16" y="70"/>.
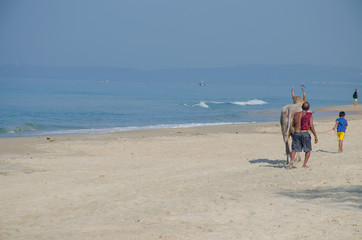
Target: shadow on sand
<point x="350" y="196"/>
<point x="270" y="163"/>
<point x="324" y="151"/>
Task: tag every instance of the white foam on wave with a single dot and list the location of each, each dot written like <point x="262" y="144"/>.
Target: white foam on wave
<point x="250" y="102"/>
<point x="204" y="104"/>
<point x="201" y="104"/>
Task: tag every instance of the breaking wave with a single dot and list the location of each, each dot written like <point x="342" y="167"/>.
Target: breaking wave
<point x="23" y="128"/>
<point x="250" y="102"/>
<point x="207" y="104"/>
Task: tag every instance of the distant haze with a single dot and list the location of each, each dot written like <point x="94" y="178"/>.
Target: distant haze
<point x="145" y="34"/>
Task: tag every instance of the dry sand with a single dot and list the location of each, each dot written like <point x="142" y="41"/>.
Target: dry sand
<point x="225" y="182"/>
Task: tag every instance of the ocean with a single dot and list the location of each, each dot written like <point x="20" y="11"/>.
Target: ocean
<point x="47" y="107"/>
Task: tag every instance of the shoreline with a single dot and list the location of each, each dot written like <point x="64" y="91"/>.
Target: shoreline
<point x="227" y="127"/>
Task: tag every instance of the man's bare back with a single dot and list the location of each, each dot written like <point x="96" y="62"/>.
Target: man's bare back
<point x="297" y="121"/>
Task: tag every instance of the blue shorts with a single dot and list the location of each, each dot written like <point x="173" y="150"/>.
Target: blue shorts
<point x="301" y="141"/>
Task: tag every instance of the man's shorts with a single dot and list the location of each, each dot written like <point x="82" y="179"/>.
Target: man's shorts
<point x="355" y="99"/>
<point x="301" y="141"/>
<point x="340" y="135"/>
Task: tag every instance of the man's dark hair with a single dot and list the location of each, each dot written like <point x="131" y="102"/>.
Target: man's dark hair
<point x="305" y="106"/>
<point x="342" y="114"/>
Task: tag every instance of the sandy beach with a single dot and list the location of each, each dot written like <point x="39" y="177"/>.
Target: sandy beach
<point x="219" y="182"/>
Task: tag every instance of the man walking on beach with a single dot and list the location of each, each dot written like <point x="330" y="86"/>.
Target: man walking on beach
<point x="302" y="122"/>
<point x="355" y="96"/>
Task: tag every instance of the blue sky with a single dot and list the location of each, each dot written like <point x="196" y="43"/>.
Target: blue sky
<point x="149" y="34"/>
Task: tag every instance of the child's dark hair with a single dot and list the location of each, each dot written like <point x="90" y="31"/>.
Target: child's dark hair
<point x="342" y="114"/>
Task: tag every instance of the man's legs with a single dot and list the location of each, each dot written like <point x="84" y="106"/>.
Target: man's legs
<point x="292" y="156"/>
<point x="307" y="154"/>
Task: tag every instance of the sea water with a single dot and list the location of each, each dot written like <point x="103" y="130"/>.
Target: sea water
<point x="39" y="107"/>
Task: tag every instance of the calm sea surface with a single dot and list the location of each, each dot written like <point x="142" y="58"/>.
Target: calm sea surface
<point x="38" y="107"/>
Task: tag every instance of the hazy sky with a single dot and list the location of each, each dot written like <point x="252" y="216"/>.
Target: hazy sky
<point x="147" y="34"/>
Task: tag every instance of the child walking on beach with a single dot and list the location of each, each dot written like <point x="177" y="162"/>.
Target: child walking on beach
<point x="341" y="125"/>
